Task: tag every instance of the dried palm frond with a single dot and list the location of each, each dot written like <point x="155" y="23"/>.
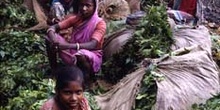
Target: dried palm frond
<point x="40" y="14"/>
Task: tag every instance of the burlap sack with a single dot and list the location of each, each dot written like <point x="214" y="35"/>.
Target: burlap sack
<point x="115" y="41"/>
<point x="185" y="36"/>
<point x="189" y="76"/>
<point x="123" y="94"/>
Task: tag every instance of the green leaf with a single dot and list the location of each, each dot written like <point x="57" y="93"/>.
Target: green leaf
<point x="2" y="53"/>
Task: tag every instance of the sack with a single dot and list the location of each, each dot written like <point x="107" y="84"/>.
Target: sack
<point x="115" y="41"/>
<point x="123" y="94"/>
<point x="188" y="36"/>
<point x="189" y="76"/>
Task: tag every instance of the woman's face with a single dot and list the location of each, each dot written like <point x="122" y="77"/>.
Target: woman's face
<point x="71" y="96"/>
<point x="86" y="8"/>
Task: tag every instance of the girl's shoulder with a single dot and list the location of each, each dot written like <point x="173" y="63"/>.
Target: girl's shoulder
<point x="49" y="105"/>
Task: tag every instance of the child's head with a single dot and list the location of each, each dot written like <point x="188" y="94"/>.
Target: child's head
<point x="69" y="87"/>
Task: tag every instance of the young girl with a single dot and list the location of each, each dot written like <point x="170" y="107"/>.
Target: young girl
<point x="69" y="91"/>
<point x="84" y="47"/>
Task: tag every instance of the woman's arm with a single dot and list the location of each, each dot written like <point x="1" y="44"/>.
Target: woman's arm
<point x="51" y="33"/>
<point x="70" y="21"/>
<point x="91" y="45"/>
<point x="96" y="39"/>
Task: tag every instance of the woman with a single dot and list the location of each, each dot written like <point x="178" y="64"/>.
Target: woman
<point x="84" y="47"/>
<point x="69" y="91"/>
<point x="188" y="6"/>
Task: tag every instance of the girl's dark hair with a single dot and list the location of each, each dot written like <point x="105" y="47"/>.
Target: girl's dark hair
<point x="66" y="74"/>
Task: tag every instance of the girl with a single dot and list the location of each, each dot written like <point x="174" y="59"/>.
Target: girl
<point x="69" y="91"/>
<point x="84" y="47"/>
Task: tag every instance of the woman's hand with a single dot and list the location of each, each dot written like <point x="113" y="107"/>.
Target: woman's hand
<point x="52" y="38"/>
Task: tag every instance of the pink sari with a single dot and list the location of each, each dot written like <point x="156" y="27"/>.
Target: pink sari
<point x="82" y="34"/>
<point x="52" y="105"/>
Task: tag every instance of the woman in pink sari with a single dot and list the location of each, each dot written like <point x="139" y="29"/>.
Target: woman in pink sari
<point x="84" y="47"/>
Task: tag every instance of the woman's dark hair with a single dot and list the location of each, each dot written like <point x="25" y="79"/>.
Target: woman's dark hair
<point x="76" y="5"/>
<point x="66" y="74"/>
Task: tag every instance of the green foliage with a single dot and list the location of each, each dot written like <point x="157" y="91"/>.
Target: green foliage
<point x="146" y="4"/>
<point x="146" y="97"/>
<point x="32" y="99"/>
<point x="14" y="15"/>
<point x="154" y="36"/>
<point x="14" y="2"/>
<point x="113" y="26"/>
<point x="17" y="43"/>
<point x="211" y="104"/>
<point x="152" y="39"/>
<point x="23" y="61"/>
<point x="23" y="84"/>
<point x="92" y="101"/>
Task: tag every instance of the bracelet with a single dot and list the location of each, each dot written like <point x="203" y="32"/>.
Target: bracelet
<point x="77" y="46"/>
<point x="56" y="46"/>
<point x="50" y="29"/>
<point x="53" y="20"/>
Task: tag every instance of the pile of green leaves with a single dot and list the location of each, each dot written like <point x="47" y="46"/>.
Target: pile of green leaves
<point x="23" y="85"/>
<point x="18" y="44"/>
<point x="14" y="15"/>
<point x="23" y="60"/>
<point x="151" y="39"/>
<point x="211" y="104"/>
<point x="146" y="98"/>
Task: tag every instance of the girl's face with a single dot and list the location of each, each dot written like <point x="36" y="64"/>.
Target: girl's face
<point x="71" y="96"/>
<point x="86" y="8"/>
